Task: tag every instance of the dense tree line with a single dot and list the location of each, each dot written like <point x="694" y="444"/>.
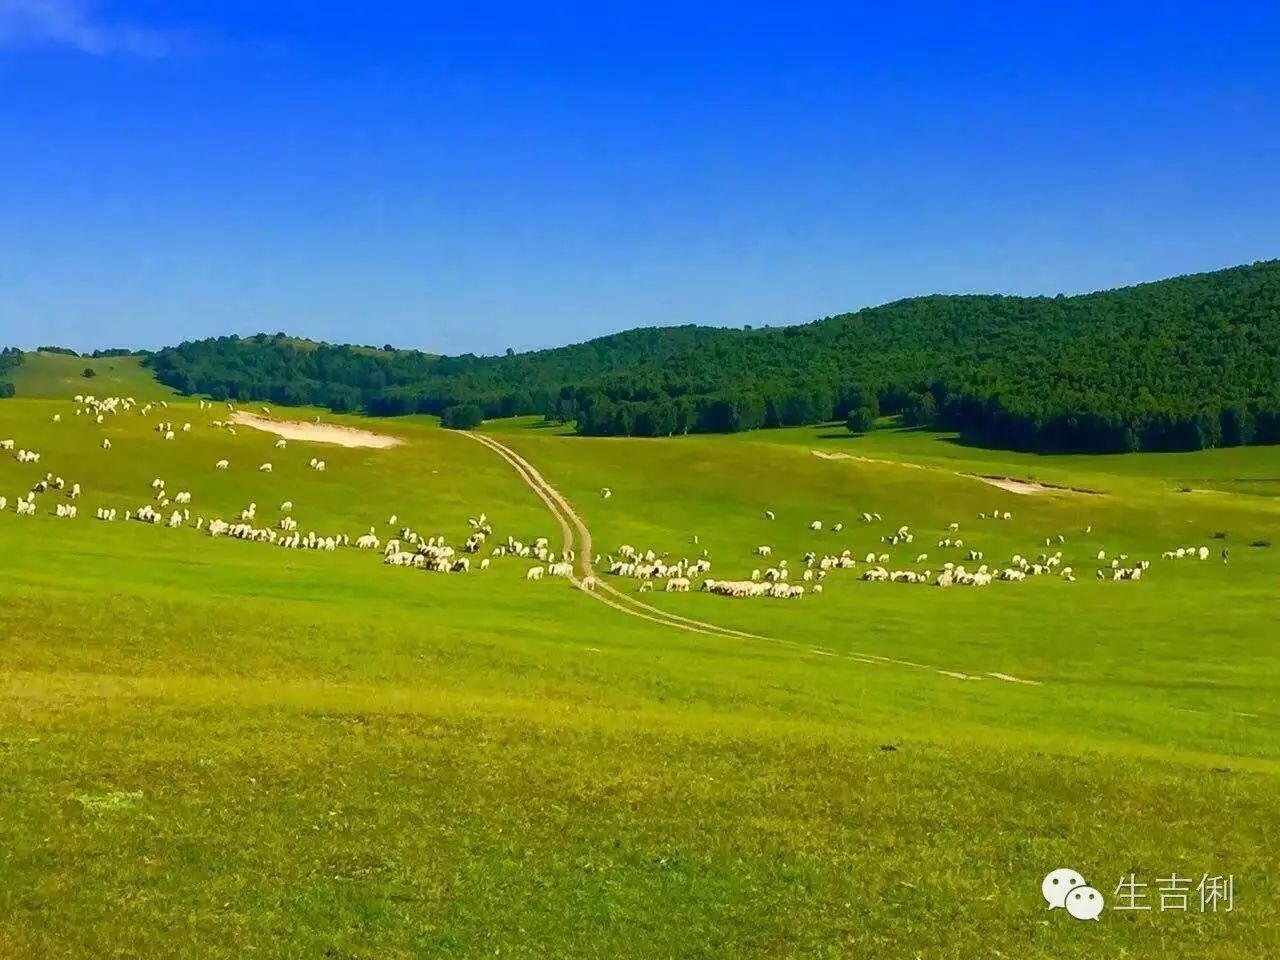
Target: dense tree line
<point x="10" y="357"/>
<point x="463" y="416"/>
<point x="1179" y="364"/>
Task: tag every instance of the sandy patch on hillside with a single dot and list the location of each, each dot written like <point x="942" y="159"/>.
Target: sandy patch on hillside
<point x="1030" y="487"/>
<point x="1023" y="488"/>
<point x="316" y="432"/>
<point x="827" y="455"/>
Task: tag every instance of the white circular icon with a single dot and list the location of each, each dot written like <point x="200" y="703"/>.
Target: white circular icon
<point x="1084" y="903"/>
<point x="1058" y="883"/>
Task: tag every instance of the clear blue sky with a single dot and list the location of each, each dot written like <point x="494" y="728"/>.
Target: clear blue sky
<point x="471" y="176"/>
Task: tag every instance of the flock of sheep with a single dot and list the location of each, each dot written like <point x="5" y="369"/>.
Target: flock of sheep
<point x="408" y="549"/>
<point x="775" y="580"/>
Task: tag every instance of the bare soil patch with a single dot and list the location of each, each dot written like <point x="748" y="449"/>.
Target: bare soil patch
<point x="316" y="432"/>
<point x="1023" y="488"/>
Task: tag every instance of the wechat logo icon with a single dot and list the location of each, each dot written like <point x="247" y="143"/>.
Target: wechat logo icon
<point x="1066" y="888"/>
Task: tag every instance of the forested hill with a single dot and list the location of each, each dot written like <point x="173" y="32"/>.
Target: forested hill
<point x="1177" y="364"/>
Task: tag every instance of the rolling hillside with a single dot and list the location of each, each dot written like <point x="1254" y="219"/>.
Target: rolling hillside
<point x="45" y="374"/>
<point x="230" y="746"/>
<point x="1178" y="364"/>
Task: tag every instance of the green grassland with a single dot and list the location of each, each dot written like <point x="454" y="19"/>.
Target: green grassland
<point x="216" y="748"/>
<point x="1233" y="469"/>
<point x="61" y="375"/>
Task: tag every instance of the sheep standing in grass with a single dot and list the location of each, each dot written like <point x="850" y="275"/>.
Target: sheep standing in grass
<point x="221" y="465"/>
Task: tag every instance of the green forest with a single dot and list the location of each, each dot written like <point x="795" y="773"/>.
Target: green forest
<point x="1177" y="364"/>
<point x="10" y="357"/>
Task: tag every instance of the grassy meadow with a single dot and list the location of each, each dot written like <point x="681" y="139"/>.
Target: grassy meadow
<point x="59" y="375"/>
<point x="212" y="748"/>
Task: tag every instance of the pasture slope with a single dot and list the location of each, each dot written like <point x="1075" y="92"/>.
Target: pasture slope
<point x="212" y="748"/>
<point x="60" y="375"/>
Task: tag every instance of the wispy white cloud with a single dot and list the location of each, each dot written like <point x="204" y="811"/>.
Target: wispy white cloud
<point x="77" y="24"/>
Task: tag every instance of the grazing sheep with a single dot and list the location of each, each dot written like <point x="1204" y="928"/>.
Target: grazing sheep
<point x="221" y="465"/>
<point x="534" y="573"/>
<point x="265" y="468"/>
<point x="605" y="493"/>
<point x="815" y="525"/>
<point x="280" y="444"/>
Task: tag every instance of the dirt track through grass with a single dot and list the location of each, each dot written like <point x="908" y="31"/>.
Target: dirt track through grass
<point x="578" y="539"/>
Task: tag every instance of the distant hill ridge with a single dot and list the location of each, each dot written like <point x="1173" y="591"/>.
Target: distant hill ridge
<point x="1183" y="363"/>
